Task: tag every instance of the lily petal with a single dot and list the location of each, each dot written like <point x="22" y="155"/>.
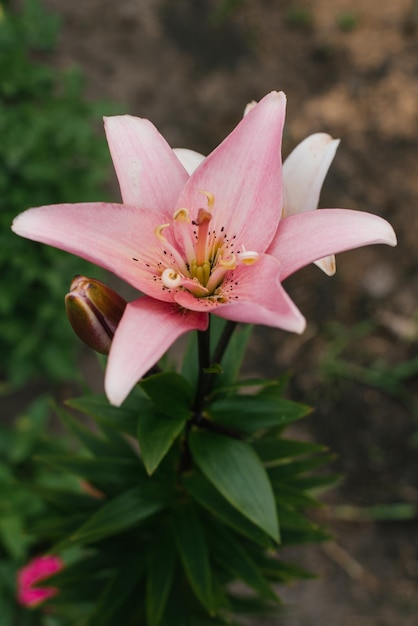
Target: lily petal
<point x="110" y="235"/>
<point x="244" y="175"/>
<point x="304" y="238"/>
<point x="149" y="173"/>
<point x="258" y="298"/>
<point x="189" y="159"/>
<point x="304" y="173"/>
<point x="147" y="329"/>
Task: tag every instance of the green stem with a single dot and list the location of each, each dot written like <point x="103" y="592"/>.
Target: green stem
<point x="204" y="384"/>
<point x="203" y="342"/>
<point x="224" y="341"/>
<point x="206" y="379"/>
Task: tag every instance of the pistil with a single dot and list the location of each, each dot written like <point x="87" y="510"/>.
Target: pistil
<point x="202" y="222"/>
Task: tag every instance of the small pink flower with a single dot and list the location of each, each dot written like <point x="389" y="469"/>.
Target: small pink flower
<point x="41" y="567"/>
<point x="198" y="241"/>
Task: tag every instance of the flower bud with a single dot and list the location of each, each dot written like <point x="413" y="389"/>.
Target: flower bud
<point x="94" y="311"/>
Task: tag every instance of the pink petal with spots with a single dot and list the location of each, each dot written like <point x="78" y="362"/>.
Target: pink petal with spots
<point x="118" y="237"/>
<point x="258" y="298"/>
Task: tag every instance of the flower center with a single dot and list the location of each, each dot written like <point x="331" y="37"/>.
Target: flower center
<point x="200" y="263"/>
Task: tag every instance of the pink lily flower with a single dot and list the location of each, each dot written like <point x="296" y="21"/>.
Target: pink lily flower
<point x="207" y="243"/>
<point x="35" y="571"/>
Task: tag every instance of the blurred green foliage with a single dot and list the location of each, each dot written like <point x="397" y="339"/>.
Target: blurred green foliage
<point x="50" y="152"/>
<point x="21" y="504"/>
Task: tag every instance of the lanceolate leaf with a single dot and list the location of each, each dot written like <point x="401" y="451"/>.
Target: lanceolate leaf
<point x="106" y="472"/>
<point x="238" y="474"/>
<point x="192" y="548"/>
<point x="122" y="512"/>
<point x="161" y="561"/>
<point x="156" y="434"/>
<point x="203" y="492"/>
<point x="233" y="357"/>
<point x="235" y="559"/>
<point x="171" y="394"/>
<point x="115" y="594"/>
<point x="293" y="469"/>
<point x="95" y="443"/>
<point x="275" y="449"/>
<point x="252" y="413"/>
<point x="121" y="418"/>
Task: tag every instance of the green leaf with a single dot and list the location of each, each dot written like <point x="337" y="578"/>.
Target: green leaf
<point x="105" y="473"/>
<point x="121" y="418"/>
<point x="235" y="559"/>
<point x="93" y="442"/>
<point x="234" y="355"/>
<point x="117" y="591"/>
<point x="289" y="518"/>
<point x="252" y="413"/>
<point x="292" y="469"/>
<point x="161" y="560"/>
<point x="291" y="495"/>
<point x="316" y="483"/>
<point x="156" y="434"/>
<point x="194" y="554"/>
<point x="13" y="536"/>
<point x="281" y="572"/>
<point x="171" y="394"/>
<point x="236" y="471"/>
<point x="245" y="383"/>
<point x="274" y="450"/>
<point x="68" y="502"/>
<point x="293" y="537"/>
<point x="122" y="512"/>
<point x="203" y="492"/>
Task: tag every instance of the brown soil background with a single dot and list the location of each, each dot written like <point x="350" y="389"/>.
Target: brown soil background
<point x="178" y="63"/>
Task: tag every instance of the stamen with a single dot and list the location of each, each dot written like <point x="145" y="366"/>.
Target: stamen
<point x="229" y="262"/>
<point x="210" y="197"/>
<point x="248" y="257"/>
<point x="168" y="247"/>
<point x="159" y="231"/>
<point x="182" y="221"/>
<point x="225" y="265"/>
<point x="181" y="215"/>
<point x="170" y="278"/>
<point x="194" y="287"/>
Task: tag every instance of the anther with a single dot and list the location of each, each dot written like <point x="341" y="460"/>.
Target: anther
<point x="159" y="231"/>
<point x="170" y="278"/>
<point x="210" y="197"/>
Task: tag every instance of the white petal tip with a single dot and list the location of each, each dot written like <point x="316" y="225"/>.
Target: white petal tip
<point x="327" y="265"/>
<point x="392" y="241"/>
<point x="18" y="224"/>
<point x="114" y="393"/>
<point x="115" y="399"/>
<point x="301" y="327"/>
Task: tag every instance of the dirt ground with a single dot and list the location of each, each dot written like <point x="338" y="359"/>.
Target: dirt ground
<point x="350" y="68"/>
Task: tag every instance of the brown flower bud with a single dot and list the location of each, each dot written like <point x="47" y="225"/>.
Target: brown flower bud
<point x="94" y="311"/>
